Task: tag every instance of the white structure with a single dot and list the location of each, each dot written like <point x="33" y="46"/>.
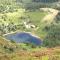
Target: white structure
<point x="28" y="25"/>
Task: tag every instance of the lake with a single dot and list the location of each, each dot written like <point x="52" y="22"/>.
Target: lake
<point x="24" y="38"/>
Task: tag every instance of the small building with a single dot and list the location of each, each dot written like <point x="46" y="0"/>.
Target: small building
<point x="28" y="24"/>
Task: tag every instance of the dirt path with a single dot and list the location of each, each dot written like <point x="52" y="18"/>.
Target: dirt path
<point x="50" y="17"/>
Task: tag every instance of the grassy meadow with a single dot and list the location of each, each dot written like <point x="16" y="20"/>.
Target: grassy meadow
<point x="36" y="18"/>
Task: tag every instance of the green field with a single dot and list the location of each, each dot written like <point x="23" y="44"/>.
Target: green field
<point x="36" y="17"/>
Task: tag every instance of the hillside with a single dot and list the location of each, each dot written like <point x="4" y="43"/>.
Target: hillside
<point x="40" y="19"/>
<point x="12" y="51"/>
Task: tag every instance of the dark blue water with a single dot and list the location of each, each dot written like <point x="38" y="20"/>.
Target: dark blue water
<point x="24" y="38"/>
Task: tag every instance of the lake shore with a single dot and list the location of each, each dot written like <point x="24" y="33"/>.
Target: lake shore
<point x="22" y="32"/>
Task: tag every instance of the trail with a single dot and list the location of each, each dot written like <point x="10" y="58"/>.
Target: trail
<point x="50" y="17"/>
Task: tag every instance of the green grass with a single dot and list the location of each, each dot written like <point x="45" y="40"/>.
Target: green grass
<point x="45" y="58"/>
<point x="36" y="18"/>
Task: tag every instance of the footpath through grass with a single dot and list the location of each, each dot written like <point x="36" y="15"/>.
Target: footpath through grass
<point x="36" y="17"/>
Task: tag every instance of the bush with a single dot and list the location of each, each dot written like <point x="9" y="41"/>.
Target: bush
<point x="53" y="37"/>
